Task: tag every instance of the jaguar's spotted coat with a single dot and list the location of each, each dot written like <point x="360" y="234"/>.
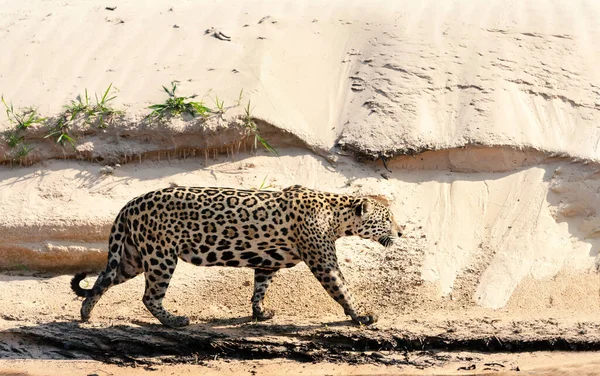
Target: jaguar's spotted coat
<point x="263" y="230"/>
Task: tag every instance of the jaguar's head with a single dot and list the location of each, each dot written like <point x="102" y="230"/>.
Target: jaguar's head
<point x="373" y="220"/>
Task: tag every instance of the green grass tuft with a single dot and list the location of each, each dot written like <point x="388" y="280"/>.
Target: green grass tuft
<point x="239" y="100"/>
<point x="102" y="110"/>
<point x="60" y="132"/>
<point x="99" y="112"/>
<point x="78" y="106"/>
<point x="263" y="184"/>
<point x="250" y="124"/>
<point x="24" y="118"/>
<point x="220" y="105"/>
<point x="176" y="105"/>
<point x="13" y="139"/>
<point x="24" y="150"/>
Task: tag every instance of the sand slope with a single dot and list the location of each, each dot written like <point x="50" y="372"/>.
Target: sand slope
<point x="388" y="78"/>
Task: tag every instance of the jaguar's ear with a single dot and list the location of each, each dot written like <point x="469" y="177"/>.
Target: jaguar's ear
<point x="363" y="207"/>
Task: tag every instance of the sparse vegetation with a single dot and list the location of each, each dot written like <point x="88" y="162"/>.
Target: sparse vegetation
<point x="102" y="110"/>
<point x="60" y="132"/>
<point x="250" y="124"/>
<point x="176" y="105"/>
<point x="78" y="106"/>
<point x="13" y="139"/>
<point x="84" y="110"/>
<point x="24" y="150"/>
<point x="22" y="119"/>
<point x="99" y="112"/>
<point x="220" y="105"/>
<point x="239" y="100"/>
<point x="262" y="185"/>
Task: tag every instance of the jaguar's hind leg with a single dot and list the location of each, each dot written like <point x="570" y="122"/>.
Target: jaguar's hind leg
<point x="129" y="267"/>
<point x="90" y="302"/>
<point x="158" y="273"/>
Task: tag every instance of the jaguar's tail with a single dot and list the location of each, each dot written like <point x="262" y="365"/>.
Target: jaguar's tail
<point x="109" y="275"/>
<point x="77" y="289"/>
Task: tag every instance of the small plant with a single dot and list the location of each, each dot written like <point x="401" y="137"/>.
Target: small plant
<point x="250" y="124"/>
<point x="101" y="110"/>
<point x="239" y="100"/>
<point x="13" y="139"/>
<point x="23" y="119"/>
<point x="24" y="150"/>
<point x="262" y="185"/>
<point x="60" y="132"/>
<point x="79" y="106"/>
<point x="176" y="105"/>
<point x="220" y="105"/>
<point x="97" y="112"/>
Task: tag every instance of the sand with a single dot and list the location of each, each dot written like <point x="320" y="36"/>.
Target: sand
<point x="475" y="121"/>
